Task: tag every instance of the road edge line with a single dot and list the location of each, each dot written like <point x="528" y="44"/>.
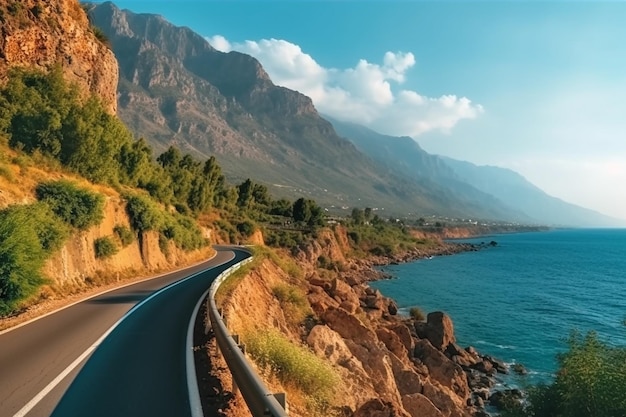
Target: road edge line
<point x="128" y="284"/>
<point x="195" y="404"/>
<point x="42" y="394"/>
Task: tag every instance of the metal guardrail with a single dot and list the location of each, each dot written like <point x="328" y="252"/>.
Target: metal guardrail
<point x="260" y="400"/>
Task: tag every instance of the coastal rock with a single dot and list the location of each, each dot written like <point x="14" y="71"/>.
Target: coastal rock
<point x="392" y="342"/>
<point x="443" y="370"/>
<point x="461" y="356"/>
<point x="418" y="405"/>
<point x="378" y="408"/>
<point x="319" y="300"/>
<point x="501" y="399"/>
<point x="404" y="334"/>
<point x="499" y="365"/>
<point x="439" y="330"/>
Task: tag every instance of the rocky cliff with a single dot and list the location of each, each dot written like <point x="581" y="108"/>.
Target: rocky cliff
<point x="389" y="365"/>
<point x="42" y="34"/>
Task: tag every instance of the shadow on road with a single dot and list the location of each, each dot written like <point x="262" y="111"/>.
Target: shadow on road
<point x="133" y="297"/>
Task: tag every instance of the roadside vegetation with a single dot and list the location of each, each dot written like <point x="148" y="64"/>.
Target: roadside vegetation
<point x="294" y="365"/>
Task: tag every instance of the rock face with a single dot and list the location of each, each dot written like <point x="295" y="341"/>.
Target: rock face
<point x="41" y="34"/>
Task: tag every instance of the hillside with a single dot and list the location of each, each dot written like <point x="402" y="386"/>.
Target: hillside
<point x="176" y="89"/>
<point x="404" y="157"/>
<point x="517" y="191"/>
<point x="499" y="188"/>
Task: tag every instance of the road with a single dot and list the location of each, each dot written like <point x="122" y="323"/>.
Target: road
<point x="138" y="369"/>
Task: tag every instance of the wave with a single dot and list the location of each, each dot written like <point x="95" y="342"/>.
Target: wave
<point x="484" y="342"/>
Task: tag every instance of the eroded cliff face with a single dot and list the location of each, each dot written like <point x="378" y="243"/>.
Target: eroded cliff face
<point x="389" y="365"/>
<point x="41" y="34"/>
<point x="76" y="266"/>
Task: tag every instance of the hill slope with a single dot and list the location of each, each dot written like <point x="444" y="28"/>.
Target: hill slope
<point x="514" y="189"/>
<point x="500" y="188"/>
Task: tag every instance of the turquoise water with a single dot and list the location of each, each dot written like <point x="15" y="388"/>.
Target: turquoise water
<point x="518" y="301"/>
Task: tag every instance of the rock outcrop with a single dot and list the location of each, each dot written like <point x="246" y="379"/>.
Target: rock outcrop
<point x="42" y="34"/>
<point x="389" y="365"/>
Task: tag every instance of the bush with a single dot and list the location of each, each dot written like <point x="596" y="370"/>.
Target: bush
<point x="77" y="207"/>
<point x="417" y="314"/>
<point x="124" y="234"/>
<point x="104" y="247"/>
<point x="590" y="382"/>
<point x="28" y="235"/>
<point x="292" y="363"/>
<point x="144" y="213"/>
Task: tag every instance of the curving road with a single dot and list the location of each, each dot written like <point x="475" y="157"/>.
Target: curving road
<point x="137" y="370"/>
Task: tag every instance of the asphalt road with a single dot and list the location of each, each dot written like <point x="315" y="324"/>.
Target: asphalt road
<point x="137" y="370"/>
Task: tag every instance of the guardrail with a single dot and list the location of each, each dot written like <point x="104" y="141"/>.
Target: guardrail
<point x="260" y="400"/>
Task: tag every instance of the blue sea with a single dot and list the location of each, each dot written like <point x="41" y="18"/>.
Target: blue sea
<point x="519" y="300"/>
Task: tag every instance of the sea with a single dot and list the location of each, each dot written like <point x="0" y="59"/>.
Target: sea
<point x="519" y="300"/>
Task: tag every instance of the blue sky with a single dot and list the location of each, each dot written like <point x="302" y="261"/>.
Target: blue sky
<point x="538" y="87"/>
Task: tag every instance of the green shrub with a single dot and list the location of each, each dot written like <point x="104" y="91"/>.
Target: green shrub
<point x="100" y="35"/>
<point x="77" y="207"/>
<point x="28" y="235"/>
<point x="246" y="228"/>
<point x="124" y="234"/>
<point x="286" y="293"/>
<point x="417" y="314"/>
<point x="104" y="247"/>
<point x="292" y="363"/>
<point x="590" y="382"/>
<point x="144" y="213"/>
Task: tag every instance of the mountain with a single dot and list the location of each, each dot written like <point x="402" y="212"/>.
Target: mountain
<point x="175" y="89"/>
<point x="514" y="189"/>
<point x="495" y="186"/>
<point x="404" y="157"/>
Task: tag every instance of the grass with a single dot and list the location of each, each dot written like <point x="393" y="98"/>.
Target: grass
<point x="293" y="364"/>
<point x="293" y="302"/>
<point x="417" y="314"/>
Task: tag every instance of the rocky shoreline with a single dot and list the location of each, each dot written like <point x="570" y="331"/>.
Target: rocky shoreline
<point x="482" y="371"/>
<point x="389" y="364"/>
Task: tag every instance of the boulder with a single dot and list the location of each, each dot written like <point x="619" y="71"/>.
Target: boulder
<point x="499" y="365"/>
<point x="392" y="342"/>
<point x="461" y="356"/>
<point x="404" y="334"/>
<point x="502" y="399"/>
<point x="439" y="330"/>
<point x="443" y="370"/>
<point x="319" y="300"/>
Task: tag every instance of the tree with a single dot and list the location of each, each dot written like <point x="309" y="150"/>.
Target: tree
<point x="590" y="382"/>
<point x="245" y="196"/>
<point x="358" y="217"/>
<point x="301" y="210"/>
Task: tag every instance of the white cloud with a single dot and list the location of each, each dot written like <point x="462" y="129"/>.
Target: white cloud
<point x="220" y="43"/>
<point x="368" y="93"/>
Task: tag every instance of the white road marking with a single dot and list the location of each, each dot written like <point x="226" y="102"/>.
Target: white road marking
<point x="41" y="395"/>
